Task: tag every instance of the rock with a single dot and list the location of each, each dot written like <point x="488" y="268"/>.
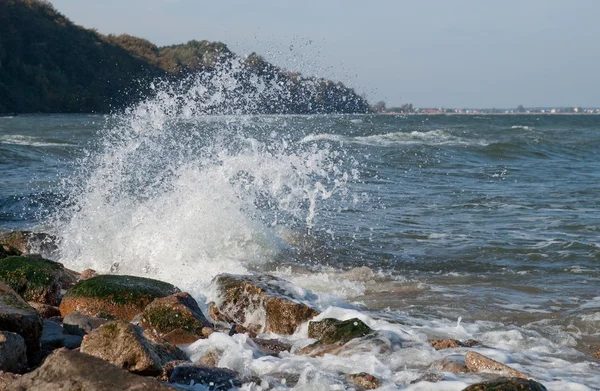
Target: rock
<point x="364" y="380"/>
<point x="13" y="356"/>
<point x="73" y="371"/>
<point x="330" y="331"/>
<point x="430" y="377"/>
<point x="121" y="297"/>
<point x="36" y="279"/>
<point x="507" y="384"/>
<point x="210" y="358"/>
<point x="214" y="378"/>
<point x="6" y="379"/>
<point x="177" y="311"/>
<point x="19" y="317"/>
<point x="441" y="344"/>
<point x="180" y="337"/>
<point x="87" y="274"/>
<point x="52" y="336"/>
<point x="449" y="365"/>
<point x="476" y="362"/>
<point x="123" y="344"/>
<point x="46" y="311"/>
<point x="28" y="242"/>
<point x="79" y="324"/>
<point x="260" y="302"/>
<point x="271" y="347"/>
<point x="8" y="251"/>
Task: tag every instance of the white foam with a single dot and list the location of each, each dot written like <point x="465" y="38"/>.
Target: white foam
<point x="31" y="141"/>
<point x="431" y="137"/>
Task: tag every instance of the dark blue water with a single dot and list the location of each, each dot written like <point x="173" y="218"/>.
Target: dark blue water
<point x="490" y="219"/>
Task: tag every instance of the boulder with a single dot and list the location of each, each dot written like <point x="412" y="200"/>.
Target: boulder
<point x="19" y="317"/>
<point x="66" y="370"/>
<point x="27" y="242"/>
<point x="6" y="379"/>
<point x="13" y="356"/>
<point x="476" y="362"/>
<point x="364" y="380"/>
<point x="79" y="324"/>
<point x="124" y="345"/>
<point x="260" y="303"/>
<point x="333" y="335"/>
<point x="214" y="378"/>
<point x="177" y="311"/>
<point x="449" y="365"/>
<point x="121" y="297"/>
<point x="52" y="336"/>
<point x="36" y="279"/>
<point x="507" y="384"/>
<point x="46" y="311"/>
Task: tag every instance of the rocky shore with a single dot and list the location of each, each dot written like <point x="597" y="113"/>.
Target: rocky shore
<point x="78" y="330"/>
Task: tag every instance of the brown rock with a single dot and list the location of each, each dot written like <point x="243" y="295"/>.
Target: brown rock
<point x="180" y="337"/>
<point x="448" y="365"/>
<point x="271" y="347"/>
<point x="177" y="311"/>
<point x="334" y="334"/>
<point x="6" y="379"/>
<point x="476" y="362"/>
<point x="441" y="344"/>
<point x="66" y="370"/>
<point x="28" y="242"/>
<point x="19" y="317"/>
<point x="46" y="311"/>
<point x="240" y="297"/>
<point x="123" y="344"/>
<point x="117" y="296"/>
<point x="87" y="274"/>
<point x="210" y="358"/>
<point x="13" y="357"/>
<point x="364" y="380"/>
<point x="507" y="384"/>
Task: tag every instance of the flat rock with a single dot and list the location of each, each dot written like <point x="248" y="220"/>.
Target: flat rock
<point x="66" y="370"/>
<point x="214" y="378"/>
<point x="507" y="384"/>
<point x="124" y="345"/>
<point x="177" y="311"/>
<point x="77" y="323"/>
<point x="476" y="362"/>
<point x="36" y="279"/>
<point x="19" y="317"/>
<point x="27" y="242"/>
<point x="261" y="303"/>
<point x="121" y="297"/>
<point x="13" y="356"/>
<point x="364" y="380"/>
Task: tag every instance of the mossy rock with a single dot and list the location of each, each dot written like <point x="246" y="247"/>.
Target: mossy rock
<point x="27" y="242"/>
<point x="6" y="250"/>
<point x="178" y="311"/>
<point x="35" y="279"/>
<point x="330" y="331"/>
<point x="121" y="297"/>
<point x="507" y="384"/>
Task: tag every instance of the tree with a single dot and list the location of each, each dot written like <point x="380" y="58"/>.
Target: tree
<point x="379" y="107"/>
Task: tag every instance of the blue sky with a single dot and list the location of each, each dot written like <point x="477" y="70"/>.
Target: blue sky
<point x="432" y="53"/>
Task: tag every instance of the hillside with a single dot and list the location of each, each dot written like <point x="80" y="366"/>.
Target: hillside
<point x="49" y="65"/>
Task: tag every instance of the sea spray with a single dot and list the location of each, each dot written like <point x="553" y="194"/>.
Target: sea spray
<point x="180" y="189"/>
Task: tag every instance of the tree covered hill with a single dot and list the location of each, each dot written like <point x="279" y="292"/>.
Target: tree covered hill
<point x="49" y="65"/>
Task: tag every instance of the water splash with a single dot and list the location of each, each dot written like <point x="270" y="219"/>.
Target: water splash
<point x="178" y="193"/>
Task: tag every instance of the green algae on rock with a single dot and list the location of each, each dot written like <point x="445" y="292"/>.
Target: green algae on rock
<point x="329" y="330"/>
<point x="122" y="297"/>
<point x="177" y="311"/>
<point x="35" y="279"/>
<point x="507" y="384"/>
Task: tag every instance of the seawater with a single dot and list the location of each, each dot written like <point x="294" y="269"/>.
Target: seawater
<point x="482" y="227"/>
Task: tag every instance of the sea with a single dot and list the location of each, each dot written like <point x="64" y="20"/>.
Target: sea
<point x="483" y="227"/>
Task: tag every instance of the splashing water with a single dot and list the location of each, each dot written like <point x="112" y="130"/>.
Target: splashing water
<point x="175" y="194"/>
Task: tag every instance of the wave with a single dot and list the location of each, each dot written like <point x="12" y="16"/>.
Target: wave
<point x="432" y="137"/>
<point x="524" y="127"/>
<point x="32" y="141"/>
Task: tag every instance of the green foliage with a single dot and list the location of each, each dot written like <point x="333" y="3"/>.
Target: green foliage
<point x="48" y="64"/>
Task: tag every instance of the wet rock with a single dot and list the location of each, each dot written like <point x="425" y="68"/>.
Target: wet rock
<point x="271" y="347"/>
<point x="46" y="311"/>
<point x="180" y="337"/>
<point x="214" y="378"/>
<point x="13" y="356"/>
<point x="28" y="242"/>
<point x="52" y="336"/>
<point x="364" y="380"/>
<point x="430" y="377"/>
<point x="168" y="369"/>
<point x="73" y="371"/>
<point x="124" y="345"/>
<point x="177" y="311"/>
<point x="121" y="297"/>
<point x="449" y="365"/>
<point x="36" y="279"/>
<point x="441" y="344"/>
<point x="329" y="331"/>
<point x="87" y="274"/>
<point x="260" y="302"/>
<point x="476" y="362"/>
<point x="8" y="251"/>
<point x="19" y="317"/>
<point x="507" y="384"/>
<point x="79" y="324"/>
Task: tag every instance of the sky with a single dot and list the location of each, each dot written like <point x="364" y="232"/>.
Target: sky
<point x="431" y="53"/>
